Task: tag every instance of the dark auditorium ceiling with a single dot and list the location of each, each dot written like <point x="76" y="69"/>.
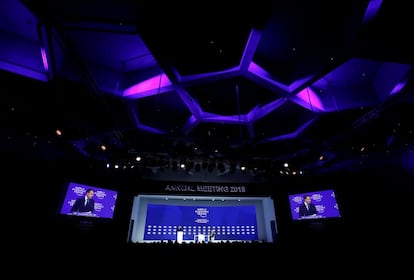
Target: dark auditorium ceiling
<point x="304" y="80"/>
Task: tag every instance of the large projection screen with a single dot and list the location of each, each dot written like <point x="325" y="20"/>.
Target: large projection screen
<point x="157" y="218"/>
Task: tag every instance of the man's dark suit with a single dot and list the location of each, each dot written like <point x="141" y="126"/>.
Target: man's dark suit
<point x="303" y="211"/>
<point x="79" y="205"/>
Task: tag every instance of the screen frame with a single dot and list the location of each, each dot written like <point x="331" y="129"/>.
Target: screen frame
<point x="64" y="194"/>
<point x="266" y="213"/>
<point x="311" y="192"/>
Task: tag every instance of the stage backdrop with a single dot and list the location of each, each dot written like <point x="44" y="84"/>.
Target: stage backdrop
<point x="156" y="218"/>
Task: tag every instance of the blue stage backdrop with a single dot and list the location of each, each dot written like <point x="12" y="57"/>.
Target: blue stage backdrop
<point x="227" y="222"/>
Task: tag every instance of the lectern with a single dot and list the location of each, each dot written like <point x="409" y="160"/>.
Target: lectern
<point x="179" y="236"/>
<point x="200" y="238"/>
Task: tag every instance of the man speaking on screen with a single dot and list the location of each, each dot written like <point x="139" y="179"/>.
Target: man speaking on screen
<point x="85" y="204"/>
<point x="307" y="208"/>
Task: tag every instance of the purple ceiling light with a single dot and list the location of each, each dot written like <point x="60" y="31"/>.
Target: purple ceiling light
<point x="264" y="78"/>
<point x="235" y="119"/>
<point x="22" y="56"/>
<point x="258" y="113"/>
<point x="203" y="78"/>
<point x="189" y="101"/>
<point x="293" y="134"/>
<point x="142" y="126"/>
<point x="398" y="87"/>
<point x="391" y="79"/>
<point x="157" y="84"/>
<point x="250" y="49"/>
<point x="309" y="99"/>
<point x="245" y="119"/>
<point x="44" y="59"/>
<point x="372" y="10"/>
<point x="296" y="84"/>
<point x="190" y="124"/>
<point x="23" y="70"/>
<point x="150" y="129"/>
<point x="356" y="83"/>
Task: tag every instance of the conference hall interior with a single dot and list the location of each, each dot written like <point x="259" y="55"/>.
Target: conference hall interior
<point x="209" y="117"/>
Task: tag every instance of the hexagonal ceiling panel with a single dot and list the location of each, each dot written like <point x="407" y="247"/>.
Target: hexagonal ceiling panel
<point x="222" y="78"/>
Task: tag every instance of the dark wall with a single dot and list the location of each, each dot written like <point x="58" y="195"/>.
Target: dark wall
<point x="375" y="204"/>
<point x="375" y="224"/>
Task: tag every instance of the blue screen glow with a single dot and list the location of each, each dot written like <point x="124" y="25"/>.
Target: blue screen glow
<point x="227" y="222"/>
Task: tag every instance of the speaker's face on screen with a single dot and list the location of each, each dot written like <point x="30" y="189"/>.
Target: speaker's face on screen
<point x="308" y="199"/>
<point x="90" y="194"/>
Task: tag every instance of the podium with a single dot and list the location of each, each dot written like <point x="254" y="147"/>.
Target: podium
<point x="310" y="217"/>
<point x="200" y="238"/>
<point x="83" y="214"/>
<point x="179" y="236"/>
